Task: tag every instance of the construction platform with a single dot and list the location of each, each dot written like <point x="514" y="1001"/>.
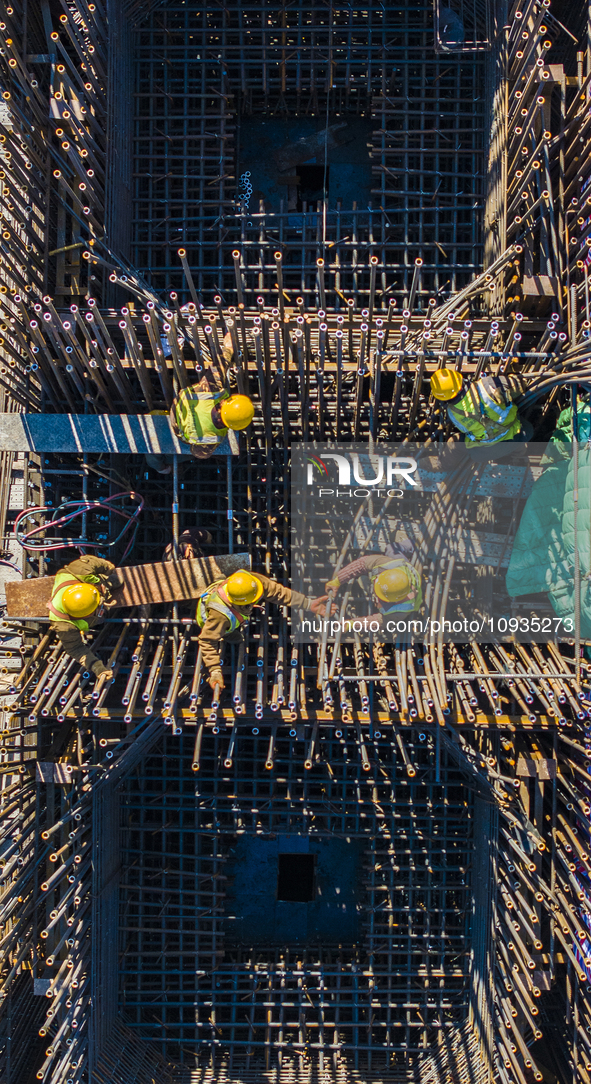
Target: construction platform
<point x="363" y="862"/>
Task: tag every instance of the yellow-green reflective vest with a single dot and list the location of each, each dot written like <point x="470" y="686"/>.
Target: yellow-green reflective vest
<point x="406" y="605"/>
<point x="482" y="418"/>
<point x="193" y="416"/>
<point x="62" y="580"/>
<point x="211" y="600"/>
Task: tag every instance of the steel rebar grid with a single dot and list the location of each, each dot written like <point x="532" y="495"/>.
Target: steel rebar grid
<point x="188" y="151"/>
<point x="345" y="805"/>
<point x="567" y="799"/>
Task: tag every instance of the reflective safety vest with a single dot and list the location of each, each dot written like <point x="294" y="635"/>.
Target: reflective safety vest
<point x="193" y="416"/>
<point x="56" y="609"/>
<point x="215" y="598"/>
<point x="406" y="605"/>
<point x="482" y="417"/>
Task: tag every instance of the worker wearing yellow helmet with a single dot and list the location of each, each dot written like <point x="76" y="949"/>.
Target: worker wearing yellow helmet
<point x="395" y="582"/>
<point x="203" y="417"/>
<point x="202" y="414"/>
<point x="485" y="411"/>
<point x="225" y="608"/>
<point x="80" y="592"/>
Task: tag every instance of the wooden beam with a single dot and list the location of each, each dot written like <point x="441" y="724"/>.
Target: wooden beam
<point x="168" y="582"/>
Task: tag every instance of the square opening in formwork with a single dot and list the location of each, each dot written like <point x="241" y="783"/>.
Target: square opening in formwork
<point x="295" y="877"/>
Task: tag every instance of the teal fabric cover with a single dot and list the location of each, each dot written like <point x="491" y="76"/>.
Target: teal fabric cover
<point x="543" y="552"/>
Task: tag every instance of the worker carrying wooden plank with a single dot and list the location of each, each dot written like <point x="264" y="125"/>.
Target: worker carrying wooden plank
<point x="395" y="582"/>
<point x="81" y="592"/>
<point x="485" y="411"/>
<point x="140" y="585"/>
<point x="225" y="608"/>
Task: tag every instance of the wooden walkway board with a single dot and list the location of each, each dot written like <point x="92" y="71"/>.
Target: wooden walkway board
<point x="168" y="582"/>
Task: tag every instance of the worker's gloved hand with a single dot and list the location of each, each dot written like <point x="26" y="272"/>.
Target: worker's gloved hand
<point x="317" y="606"/>
<point x="227" y="348"/>
<point x="332" y="585"/>
<point x="106" y="597"/>
<point x="216" y="678"/>
<point x="98" y="668"/>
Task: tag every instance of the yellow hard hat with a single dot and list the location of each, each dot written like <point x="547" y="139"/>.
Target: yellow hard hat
<point x="243" y="589"/>
<point x="393" y="584"/>
<point x="81" y="599"/>
<point x="446" y="383"/>
<point x="237" y="412"/>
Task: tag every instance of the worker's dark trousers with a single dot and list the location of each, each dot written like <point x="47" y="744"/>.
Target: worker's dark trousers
<point x="235" y="637"/>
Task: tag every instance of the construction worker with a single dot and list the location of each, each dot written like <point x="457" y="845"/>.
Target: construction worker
<point x="190" y="543"/>
<point x="396" y="584"/>
<point x="80" y="591"/>
<point x="226" y="605"/>
<point x="484" y="411"/>
<point x="201" y="416"/>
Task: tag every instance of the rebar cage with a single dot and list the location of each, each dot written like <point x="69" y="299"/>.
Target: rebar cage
<point x="444" y="790"/>
<point x="191" y="976"/>
<point x="200" y="75"/>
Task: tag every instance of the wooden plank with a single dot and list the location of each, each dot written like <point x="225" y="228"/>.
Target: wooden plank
<point x="544" y="769"/>
<point x="167" y="582"/>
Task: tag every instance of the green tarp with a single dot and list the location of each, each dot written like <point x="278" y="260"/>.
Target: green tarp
<point x="543" y="552"/>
